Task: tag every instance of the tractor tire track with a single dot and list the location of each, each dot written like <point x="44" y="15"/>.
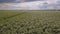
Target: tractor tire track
<point x="11" y="16"/>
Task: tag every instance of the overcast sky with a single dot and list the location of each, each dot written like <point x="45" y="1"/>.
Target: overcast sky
<point x="30" y="4"/>
<point x="17" y="1"/>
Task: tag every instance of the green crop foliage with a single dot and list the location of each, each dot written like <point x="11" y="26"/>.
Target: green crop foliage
<point x="29" y="22"/>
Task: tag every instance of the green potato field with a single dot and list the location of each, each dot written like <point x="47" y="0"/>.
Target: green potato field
<point x="29" y="22"/>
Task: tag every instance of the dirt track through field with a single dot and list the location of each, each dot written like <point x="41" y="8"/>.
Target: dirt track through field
<point x="11" y="16"/>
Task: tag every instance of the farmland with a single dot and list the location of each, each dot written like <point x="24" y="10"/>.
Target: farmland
<point x="29" y="22"/>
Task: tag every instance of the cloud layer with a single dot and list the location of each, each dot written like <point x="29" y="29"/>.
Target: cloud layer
<point x="31" y="5"/>
<point x="17" y="1"/>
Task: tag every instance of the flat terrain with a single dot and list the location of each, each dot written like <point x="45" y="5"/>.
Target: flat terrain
<point x="29" y="22"/>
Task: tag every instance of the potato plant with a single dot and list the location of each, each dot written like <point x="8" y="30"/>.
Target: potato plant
<point x="30" y="22"/>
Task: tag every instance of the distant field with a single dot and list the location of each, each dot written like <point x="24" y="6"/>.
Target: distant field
<point x="29" y="22"/>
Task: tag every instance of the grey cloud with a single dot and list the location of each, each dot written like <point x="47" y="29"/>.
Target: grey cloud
<point x="17" y="1"/>
<point x="58" y="1"/>
<point x="27" y="5"/>
<point x="33" y="0"/>
<point x="9" y="1"/>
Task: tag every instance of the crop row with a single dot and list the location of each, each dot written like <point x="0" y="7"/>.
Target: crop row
<point x="32" y="23"/>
